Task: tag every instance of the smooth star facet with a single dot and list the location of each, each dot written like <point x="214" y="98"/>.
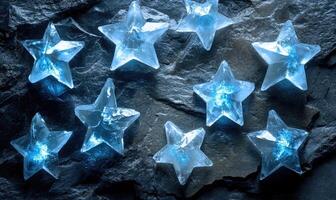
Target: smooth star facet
<point x="106" y="122"/>
<point x="278" y="145"/>
<point x="286" y="58"/>
<point x="204" y="20"/>
<point x="40" y="148"/>
<point x="224" y="96"/>
<point x="52" y="56"/>
<point x="134" y="38"/>
<point x="183" y="151"/>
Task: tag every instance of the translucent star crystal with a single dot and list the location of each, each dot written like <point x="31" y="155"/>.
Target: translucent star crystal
<point x="106" y="122"/>
<point x="278" y="145"/>
<point x="134" y="38"/>
<point x="286" y="58"/>
<point x="183" y="151"/>
<point x="40" y="148"/>
<point x="52" y="56"/>
<point x="204" y="20"/>
<point x="224" y="96"/>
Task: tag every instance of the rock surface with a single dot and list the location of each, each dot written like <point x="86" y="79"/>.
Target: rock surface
<point x="165" y="94"/>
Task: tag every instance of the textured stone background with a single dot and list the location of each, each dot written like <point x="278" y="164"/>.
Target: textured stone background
<point x="166" y="94"/>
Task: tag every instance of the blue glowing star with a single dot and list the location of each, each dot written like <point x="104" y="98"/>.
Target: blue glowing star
<point x="52" y="56"/>
<point x="106" y="122"/>
<point x="204" y="20"/>
<point x="183" y="151"/>
<point x="278" y="145"/>
<point x="286" y="58"/>
<point x="224" y="96"/>
<point x="40" y="148"/>
<point x="134" y="38"/>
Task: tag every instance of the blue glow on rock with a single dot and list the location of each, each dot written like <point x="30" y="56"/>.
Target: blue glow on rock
<point x="224" y="96"/>
<point x="52" y="56"/>
<point x="286" y="58"/>
<point x="204" y="20"/>
<point x="134" y="38"/>
<point x="278" y="145"/>
<point x="183" y="151"/>
<point x="106" y="122"/>
<point x="40" y="148"/>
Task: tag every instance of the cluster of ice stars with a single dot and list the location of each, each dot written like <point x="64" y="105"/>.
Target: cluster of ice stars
<point x="134" y="39"/>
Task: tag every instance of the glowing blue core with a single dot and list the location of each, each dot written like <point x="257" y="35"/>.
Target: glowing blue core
<point x="39" y="152"/>
<point x="223" y="95"/>
<point x="283" y="146"/>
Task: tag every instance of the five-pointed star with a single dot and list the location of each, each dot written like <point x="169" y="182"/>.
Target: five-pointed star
<point x="286" y="58"/>
<point x="40" y="148"/>
<point x="134" y="38"/>
<point x="204" y="20"/>
<point x="278" y="145"/>
<point x="106" y="122"/>
<point x="52" y="56"/>
<point x="224" y="96"/>
<point x="183" y="151"/>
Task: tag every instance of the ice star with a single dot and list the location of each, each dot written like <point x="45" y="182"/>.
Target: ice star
<point x="40" y="148"/>
<point x="106" y="122"/>
<point x="278" y="145"/>
<point x="224" y="96"/>
<point x="204" y="20"/>
<point x="286" y="58"/>
<point x="134" y="38"/>
<point x="183" y="151"/>
<point x="52" y="56"/>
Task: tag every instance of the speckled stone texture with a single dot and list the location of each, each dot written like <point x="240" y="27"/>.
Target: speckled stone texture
<point x="166" y="94"/>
